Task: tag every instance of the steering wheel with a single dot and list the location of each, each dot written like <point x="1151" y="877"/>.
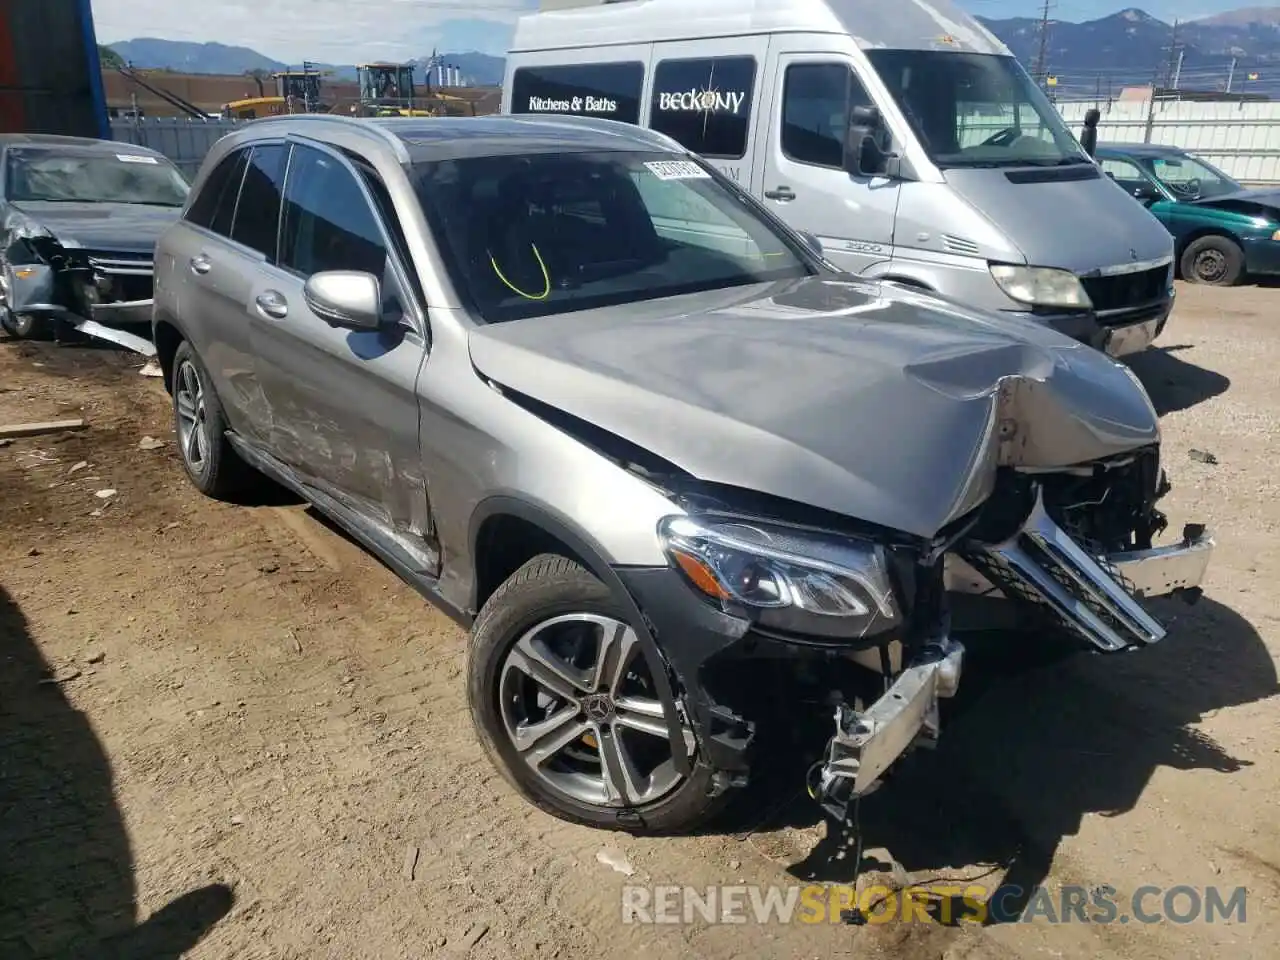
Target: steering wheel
<point x="1187" y="188"/>
<point x="1003" y="138"/>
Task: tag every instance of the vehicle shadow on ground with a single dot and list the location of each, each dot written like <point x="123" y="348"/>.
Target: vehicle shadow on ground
<point x="1026" y="754"/>
<point x="66" y="871"/>
<point x="1172" y="383"/>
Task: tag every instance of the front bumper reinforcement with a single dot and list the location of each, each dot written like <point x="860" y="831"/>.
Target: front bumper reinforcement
<point x="866" y="743"/>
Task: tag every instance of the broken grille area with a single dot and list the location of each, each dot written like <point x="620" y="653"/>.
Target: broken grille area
<point x="1043" y="566"/>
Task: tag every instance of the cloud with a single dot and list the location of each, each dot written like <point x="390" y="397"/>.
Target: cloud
<point x="329" y="31"/>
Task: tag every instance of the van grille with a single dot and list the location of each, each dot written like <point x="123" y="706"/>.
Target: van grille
<point x="959" y="245"/>
<point x="1127" y="290"/>
<point x="1042" y="565"/>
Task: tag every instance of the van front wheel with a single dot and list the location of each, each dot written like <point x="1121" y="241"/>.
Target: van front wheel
<point x="1213" y="260"/>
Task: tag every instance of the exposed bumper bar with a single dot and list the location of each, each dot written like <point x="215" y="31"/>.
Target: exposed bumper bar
<point x="867" y="743"/>
<point x="124" y="311"/>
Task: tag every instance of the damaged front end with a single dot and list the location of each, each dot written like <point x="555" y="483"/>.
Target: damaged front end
<point x="45" y="281"/>
<point x="1068" y="552"/>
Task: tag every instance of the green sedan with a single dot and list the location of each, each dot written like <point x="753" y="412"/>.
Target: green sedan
<point x="1222" y="232"/>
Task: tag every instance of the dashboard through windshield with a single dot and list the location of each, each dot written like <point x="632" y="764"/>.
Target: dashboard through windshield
<point x="976" y="110"/>
<point x="533" y="235"/>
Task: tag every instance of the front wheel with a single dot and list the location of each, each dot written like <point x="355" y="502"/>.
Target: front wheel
<point x="23" y="326"/>
<point x="563" y="700"/>
<point x="1213" y="260"/>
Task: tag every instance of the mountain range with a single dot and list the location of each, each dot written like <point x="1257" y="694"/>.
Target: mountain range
<point x="1127" y="48"/>
<point x="150" y="53"/>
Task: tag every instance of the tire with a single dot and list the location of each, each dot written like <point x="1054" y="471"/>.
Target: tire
<point x="211" y="463"/>
<point x="23" y="326"/>
<point x="549" y="589"/>
<point x="1213" y="260"/>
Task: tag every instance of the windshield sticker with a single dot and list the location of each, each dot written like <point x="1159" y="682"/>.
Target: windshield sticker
<point x="677" y="170"/>
<point x="134" y="158"/>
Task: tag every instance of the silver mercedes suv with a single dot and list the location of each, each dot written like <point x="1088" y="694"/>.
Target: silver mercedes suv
<point x="649" y="446"/>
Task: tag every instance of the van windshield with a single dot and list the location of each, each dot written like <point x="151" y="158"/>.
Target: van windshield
<point x="976" y="110"/>
<point x="529" y="235"/>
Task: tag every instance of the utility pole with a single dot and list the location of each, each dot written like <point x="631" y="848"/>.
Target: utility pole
<point x="1231" y="74"/>
<point x="1177" y="71"/>
<point x="1044" y="42"/>
<point x="1173" y="51"/>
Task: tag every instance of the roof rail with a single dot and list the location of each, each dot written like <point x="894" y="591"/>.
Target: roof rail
<point x="381" y="132"/>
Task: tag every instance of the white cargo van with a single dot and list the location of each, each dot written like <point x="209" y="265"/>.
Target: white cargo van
<point x="903" y="136"/>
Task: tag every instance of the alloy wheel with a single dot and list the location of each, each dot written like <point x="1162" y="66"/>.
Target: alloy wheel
<point x="579" y="706"/>
<point x="193" y="427"/>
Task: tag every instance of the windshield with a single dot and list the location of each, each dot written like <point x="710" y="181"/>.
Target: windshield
<point x="976" y="110"/>
<point x="534" y="235"/>
<point x="93" y="177"/>
<point x="1190" y="179"/>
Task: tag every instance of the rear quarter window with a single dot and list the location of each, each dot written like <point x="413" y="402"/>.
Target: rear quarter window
<point x="610" y="91"/>
<point x="215" y="204"/>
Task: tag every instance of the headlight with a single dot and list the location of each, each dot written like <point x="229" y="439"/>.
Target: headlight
<point x="1041" y="286"/>
<point x="1276" y="235"/>
<point x="820" y="586"/>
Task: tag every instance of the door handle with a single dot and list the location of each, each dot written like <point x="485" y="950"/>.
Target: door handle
<point x="272" y="304"/>
<point x="780" y="193"/>
<point x="201" y="264"/>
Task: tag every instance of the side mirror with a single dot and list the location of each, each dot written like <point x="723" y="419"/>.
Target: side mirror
<point x="1089" y="136"/>
<point x="812" y="242"/>
<point x="345" y="298"/>
<point x="865" y="153"/>
<point x="1146" y="193"/>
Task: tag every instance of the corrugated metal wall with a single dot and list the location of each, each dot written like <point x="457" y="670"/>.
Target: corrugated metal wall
<point x="1241" y="139"/>
<point x="50" y="77"/>
<point x="185" y="142"/>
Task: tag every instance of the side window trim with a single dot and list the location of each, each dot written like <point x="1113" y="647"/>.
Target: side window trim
<point x="413" y="310"/>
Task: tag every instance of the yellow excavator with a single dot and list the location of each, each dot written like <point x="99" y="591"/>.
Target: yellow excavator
<point x="297" y="91"/>
<point x="387" y="90"/>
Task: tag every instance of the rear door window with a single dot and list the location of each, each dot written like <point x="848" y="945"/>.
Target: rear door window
<point x="607" y="90"/>
<point x="215" y="205"/>
<point x="258" y="211"/>
<point x="705" y="104"/>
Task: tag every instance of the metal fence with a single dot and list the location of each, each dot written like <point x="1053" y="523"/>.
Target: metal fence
<point x="185" y="142"/>
<point x="1241" y="139"/>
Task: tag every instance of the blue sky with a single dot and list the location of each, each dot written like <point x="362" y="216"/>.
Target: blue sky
<point x="347" y="31"/>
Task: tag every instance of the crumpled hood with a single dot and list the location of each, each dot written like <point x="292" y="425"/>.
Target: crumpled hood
<point x="1076" y="225"/>
<point x="1269" y="199"/>
<point x="885" y="405"/>
<point x="123" y="227"/>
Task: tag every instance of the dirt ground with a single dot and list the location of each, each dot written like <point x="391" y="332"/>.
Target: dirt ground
<point x="228" y="731"/>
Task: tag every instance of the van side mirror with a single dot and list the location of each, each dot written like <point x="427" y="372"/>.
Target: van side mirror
<point x="345" y="298"/>
<point x="866" y="152"/>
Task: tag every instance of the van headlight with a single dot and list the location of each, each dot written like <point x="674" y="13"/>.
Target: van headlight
<point x="816" y="585"/>
<point x="1041" y="286"/>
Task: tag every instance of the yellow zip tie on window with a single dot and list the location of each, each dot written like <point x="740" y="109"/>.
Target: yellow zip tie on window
<point x="546" y="277"/>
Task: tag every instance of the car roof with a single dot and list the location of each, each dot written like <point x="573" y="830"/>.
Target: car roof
<point x="424" y="139"/>
<point x="1140" y="149"/>
<point x="54" y="141"/>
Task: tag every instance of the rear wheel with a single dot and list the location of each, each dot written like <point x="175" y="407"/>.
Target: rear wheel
<point x="563" y="699"/>
<point x="1213" y="260"/>
<point x="201" y="428"/>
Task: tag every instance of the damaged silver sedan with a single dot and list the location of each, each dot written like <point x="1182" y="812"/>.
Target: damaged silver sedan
<point x="675" y="472"/>
<point x="79" y="220"/>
